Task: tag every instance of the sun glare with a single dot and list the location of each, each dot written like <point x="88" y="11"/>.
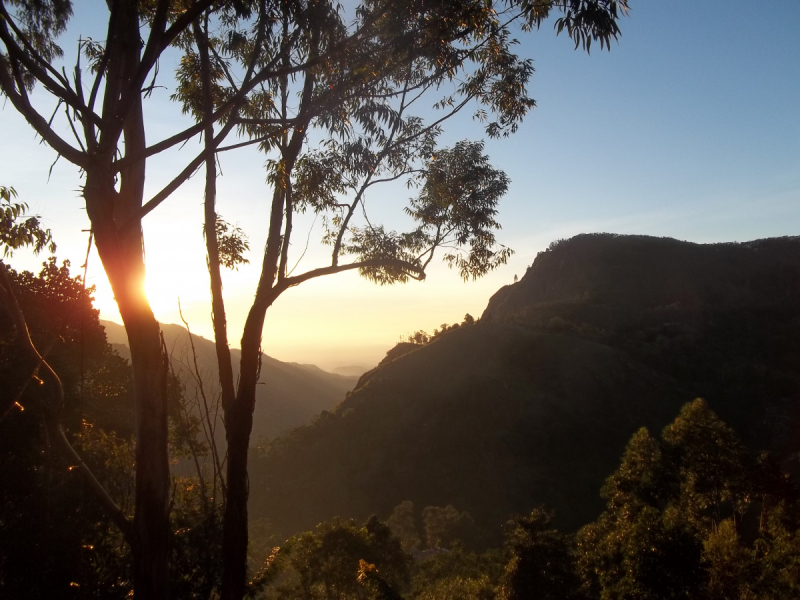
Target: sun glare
<point x="165" y="287"/>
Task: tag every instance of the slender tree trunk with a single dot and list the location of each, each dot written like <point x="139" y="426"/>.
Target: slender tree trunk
<point x="239" y="412"/>
<point x="239" y="415"/>
<point x="238" y="426"/>
<point x="120" y="245"/>
<point x="210" y="228"/>
<point x="121" y="252"/>
<point x="125" y="268"/>
<point x="119" y="241"/>
<point x="151" y="520"/>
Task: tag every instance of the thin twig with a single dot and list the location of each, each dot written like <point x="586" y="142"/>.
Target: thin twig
<point x="207" y="412"/>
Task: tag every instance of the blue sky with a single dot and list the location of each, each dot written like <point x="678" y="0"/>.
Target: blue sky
<point x="688" y="128"/>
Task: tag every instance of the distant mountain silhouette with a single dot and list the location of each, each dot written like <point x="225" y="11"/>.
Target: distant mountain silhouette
<point x="535" y="403"/>
<point x="291" y="394"/>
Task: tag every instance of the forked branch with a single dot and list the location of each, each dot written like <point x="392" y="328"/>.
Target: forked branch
<point x="413" y="271"/>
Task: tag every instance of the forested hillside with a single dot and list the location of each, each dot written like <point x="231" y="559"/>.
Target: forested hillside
<point x="722" y="318"/>
<point x="535" y="403"/>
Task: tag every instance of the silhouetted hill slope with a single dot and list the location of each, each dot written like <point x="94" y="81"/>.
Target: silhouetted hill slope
<point x="535" y="403"/>
<point x="723" y="318"/>
<point x="352" y="370"/>
<point x="489" y="418"/>
<point x="292" y="394"/>
<point x="628" y="274"/>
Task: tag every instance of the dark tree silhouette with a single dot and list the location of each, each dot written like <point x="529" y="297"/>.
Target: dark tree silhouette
<point x="542" y="564"/>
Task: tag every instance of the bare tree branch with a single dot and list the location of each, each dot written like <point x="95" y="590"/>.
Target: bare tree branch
<point x="206" y="415"/>
<point x="22" y="103"/>
<point x="373" y="263"/>
<point x="173" y="185"/>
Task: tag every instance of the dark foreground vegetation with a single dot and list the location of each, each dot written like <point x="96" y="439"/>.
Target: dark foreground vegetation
<point x="690" y="514"/>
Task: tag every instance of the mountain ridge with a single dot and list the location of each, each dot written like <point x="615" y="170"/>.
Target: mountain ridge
<point x="535" y="403"/>
<point x="290" y="394"/>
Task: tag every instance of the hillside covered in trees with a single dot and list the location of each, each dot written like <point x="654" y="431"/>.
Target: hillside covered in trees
<point x="534" y="404"/>
<point x="550" y="449"/>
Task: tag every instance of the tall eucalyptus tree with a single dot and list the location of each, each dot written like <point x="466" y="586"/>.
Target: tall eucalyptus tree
<point x="352" y="89"/>
<point x="357" y="79"/>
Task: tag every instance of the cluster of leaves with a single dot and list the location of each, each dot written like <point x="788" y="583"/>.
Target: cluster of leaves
<point x="55" y="539"/>
<point x="196" y="545"/>
<point x="358" y="97"/>
<point x="535" y="562"/>
<point x="542" y="561"/>
<point x="17" y="233"/>
<point x="458" y="575"/>
<point x="63" y="323"/>
<point x="378" y="561"/>
<point x="337" y="560"/>
<point x="457" y="209"/>
<point x="454" y="211"/>
<point x="444" y="566"/>
<point x="691" y="516"/>
<point x="232" y="243"/>
<point x="40" y="22"/>
<point x="444" y="527"/>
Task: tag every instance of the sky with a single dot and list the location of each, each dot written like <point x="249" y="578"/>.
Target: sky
<point x="688" y="128"/>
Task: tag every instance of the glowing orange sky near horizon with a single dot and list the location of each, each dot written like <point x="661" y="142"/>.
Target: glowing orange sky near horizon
<point x="659" y="136"/>
<point x="336" y="321"/>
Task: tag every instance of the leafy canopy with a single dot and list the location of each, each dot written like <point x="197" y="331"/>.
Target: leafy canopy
<point x="692" y="516"/>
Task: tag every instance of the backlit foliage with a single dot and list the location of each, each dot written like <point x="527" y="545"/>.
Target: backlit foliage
<point x="18" y="232"/>
<point x="233" y="244"/>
